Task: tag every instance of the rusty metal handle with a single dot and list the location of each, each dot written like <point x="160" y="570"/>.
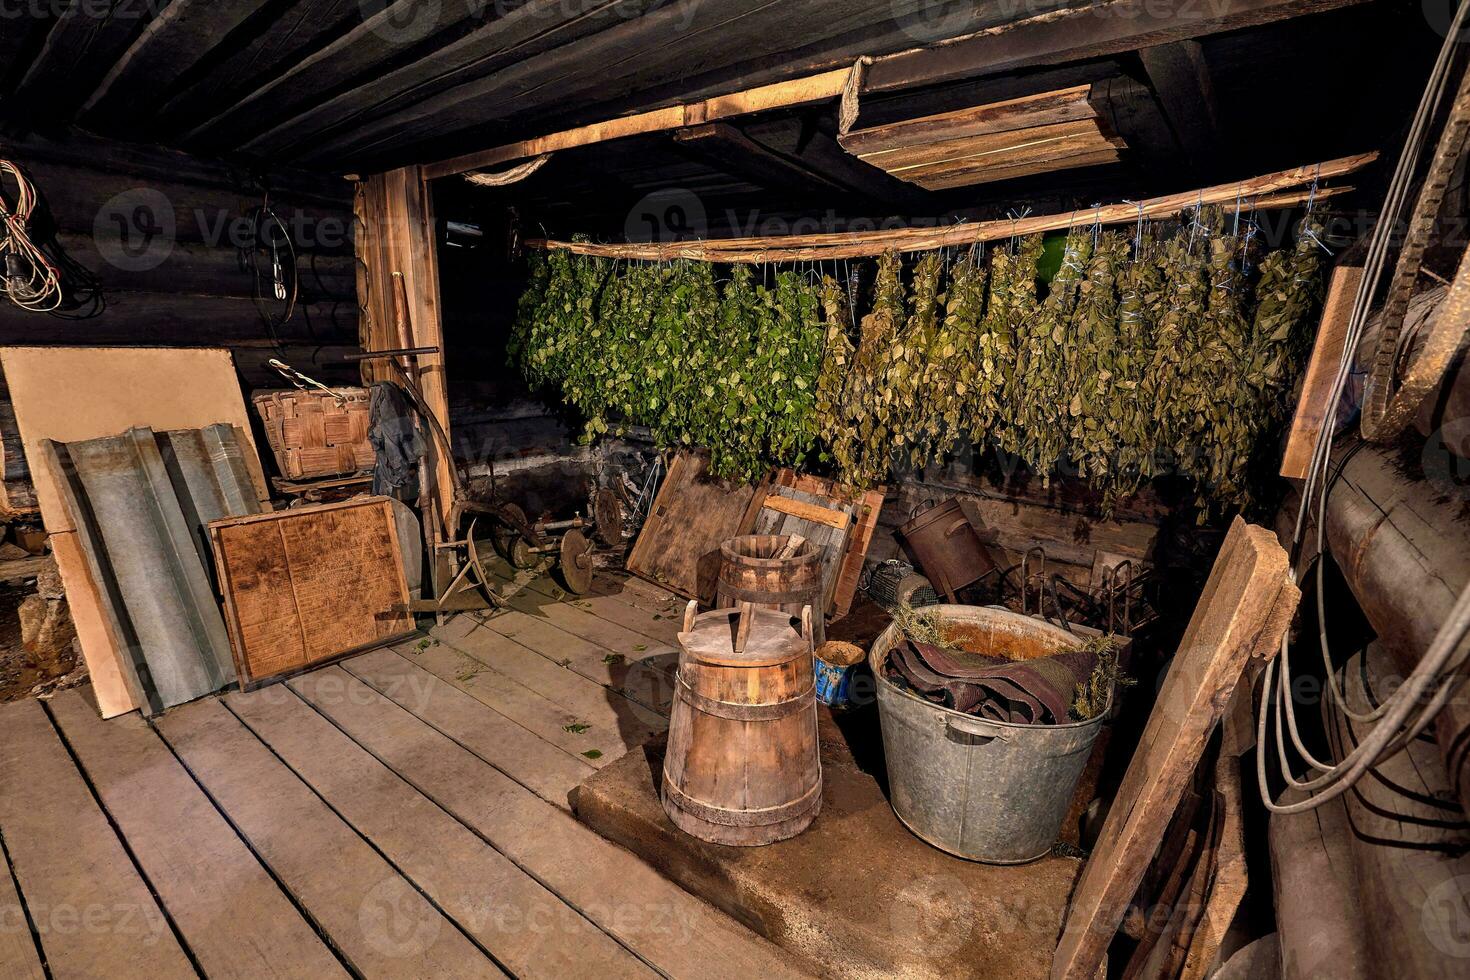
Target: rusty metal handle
<point x="969" y="725"/>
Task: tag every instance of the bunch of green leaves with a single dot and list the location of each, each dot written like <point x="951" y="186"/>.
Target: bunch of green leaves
<point x="958" y="362"/>
<point x="1096" y="368"/>
<point x="1009" y="320"/>
<point x="1047" y="344"/>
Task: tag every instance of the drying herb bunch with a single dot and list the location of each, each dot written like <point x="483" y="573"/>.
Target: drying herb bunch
<point x="1093" y="696"/>
<point x="1142" y="355"/>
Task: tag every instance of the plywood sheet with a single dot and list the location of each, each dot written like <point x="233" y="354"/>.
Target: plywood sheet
<point x="70" y="394"/>
<point x="679" y="547"/>
<point x="306" y="585"/>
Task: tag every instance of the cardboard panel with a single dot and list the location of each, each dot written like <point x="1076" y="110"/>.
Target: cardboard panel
<point x="71" y="394"/>
<point x="307" y="585"/>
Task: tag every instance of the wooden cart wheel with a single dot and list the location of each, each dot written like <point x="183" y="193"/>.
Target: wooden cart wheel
<point x="1388" y="410"/>
<point x="576" y="562"/>
<point x="608" y="518"/>
<point x="509" y="542"/>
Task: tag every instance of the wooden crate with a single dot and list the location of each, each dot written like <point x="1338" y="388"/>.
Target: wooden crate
<point x="314" y="434"/>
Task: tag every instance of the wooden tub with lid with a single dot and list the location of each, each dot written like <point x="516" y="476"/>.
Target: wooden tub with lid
<point x="742" y="765"/>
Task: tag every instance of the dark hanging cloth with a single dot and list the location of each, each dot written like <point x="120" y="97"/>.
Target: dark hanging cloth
<point x="1021" y="692"/>
<point x="397" y="441"/>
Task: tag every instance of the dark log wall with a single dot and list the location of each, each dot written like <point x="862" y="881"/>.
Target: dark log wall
<point x="167" y="237"/>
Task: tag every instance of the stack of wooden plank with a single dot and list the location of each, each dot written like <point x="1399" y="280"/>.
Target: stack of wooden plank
<point x="1035" y="134"/>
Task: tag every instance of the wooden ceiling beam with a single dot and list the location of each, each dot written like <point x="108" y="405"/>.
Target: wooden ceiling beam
<point x="291" y="36"/>
<point x="525" y="32"/>
<point x="174" y="41"/>
<point x="729" y="150"/>
<point x="822" y="151"/>
<point x="1100" y="29"/>
<point x="1181" y="79"/>
<point x="77" y="53"/>
<point x="628" y="57"/>
<point x="1108" y="27"/>
<point x="365" y="52"/>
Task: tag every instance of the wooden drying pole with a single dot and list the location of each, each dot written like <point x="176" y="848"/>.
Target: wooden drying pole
<point x="1284" y="188"/>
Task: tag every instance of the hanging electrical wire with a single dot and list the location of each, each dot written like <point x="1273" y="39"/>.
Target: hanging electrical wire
<point x="1433" y="680"/>
<point x="270" y="238"/>
<point x="31" y="280"/>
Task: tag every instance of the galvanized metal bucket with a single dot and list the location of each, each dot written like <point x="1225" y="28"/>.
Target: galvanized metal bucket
<point x="983" y="790"/>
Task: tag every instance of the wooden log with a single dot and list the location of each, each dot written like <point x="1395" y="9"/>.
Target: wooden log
<point x="1403" y="546"/>
<point x="203" y="270"/>
<point x="1245" y="610"/>
<point x="82" y="198"/>
<point x="1410" y="843"/>
<point x="1318" y="911"/>
<point x="177" y="319"/>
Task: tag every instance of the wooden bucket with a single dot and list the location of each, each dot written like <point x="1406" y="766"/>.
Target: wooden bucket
<point x="781" y="572"/>
<point x="742" y="765"/>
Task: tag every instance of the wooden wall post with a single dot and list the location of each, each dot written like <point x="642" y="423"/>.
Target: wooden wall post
<point x="396" y="234"/>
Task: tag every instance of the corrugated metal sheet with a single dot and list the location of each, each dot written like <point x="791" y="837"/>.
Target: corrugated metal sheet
<point x="141" y="502"/>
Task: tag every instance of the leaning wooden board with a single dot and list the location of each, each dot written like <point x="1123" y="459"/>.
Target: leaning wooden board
<point x="861" y="510"/>
<point x="1244" y="611"/>
<point x="679" y="546"/>
<point x="784" y="511"/>
<point x="308" y="585"/>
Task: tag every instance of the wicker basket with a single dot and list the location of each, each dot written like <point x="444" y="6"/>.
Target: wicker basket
<point x="313" y="434"/>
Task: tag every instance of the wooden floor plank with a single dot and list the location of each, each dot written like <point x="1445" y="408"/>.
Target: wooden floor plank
<point x="582" y="623"/>
<point x="525" y="927"/>
<point x="669" y="928"/>
<point x="91" y="908"/>
<point x="657" y="619"/>
<point x="234" y="918"/>
<point x="382" y="926"/>
<point x="526" y="757"/>
<point x="19" y="957"/>
<point x="519" y="703"/>
<point x="606" y="709"/>
<point x="645" y="676"/>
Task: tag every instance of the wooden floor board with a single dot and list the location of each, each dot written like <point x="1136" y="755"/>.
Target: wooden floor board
<point x="604" y="708"/>
<point x="646" y="676"/>
<point x="382" y="925"/>
<point x="232" y="915"/>
<point x="657" y="619"/>
<point x="548" y="771"/>
<point x="580" y="622"/>
<point x="19" y="957"/>
<point x="91" y="907"/>
<point x="670" y="929"/>
<point x="525" y="927"/>
<point x="519" y="703"/>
